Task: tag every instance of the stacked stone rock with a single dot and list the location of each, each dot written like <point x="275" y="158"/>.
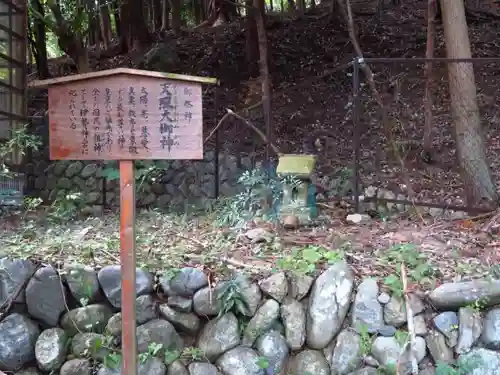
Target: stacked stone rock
<point x="301" y="325"/>
<point x="394" y="208"/>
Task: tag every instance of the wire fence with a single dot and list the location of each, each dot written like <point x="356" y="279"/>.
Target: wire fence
<point x="414" y="152"/>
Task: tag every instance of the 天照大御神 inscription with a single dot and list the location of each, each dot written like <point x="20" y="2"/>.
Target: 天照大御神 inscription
<point x="126" y="118"/>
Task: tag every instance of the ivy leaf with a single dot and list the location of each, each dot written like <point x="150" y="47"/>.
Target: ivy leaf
<point x="391" y="280"/>
<point x="311" y="254"/>
<point x="332" y="256"/>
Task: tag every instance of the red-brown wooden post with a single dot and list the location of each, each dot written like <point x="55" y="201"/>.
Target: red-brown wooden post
<point x="127" y="259"/>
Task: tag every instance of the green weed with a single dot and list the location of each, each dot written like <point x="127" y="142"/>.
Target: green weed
<point x="419" y="269"/>
<point x="365" y="340"/>
<point x="304" y="261"/>
<point x="230" y="297"/>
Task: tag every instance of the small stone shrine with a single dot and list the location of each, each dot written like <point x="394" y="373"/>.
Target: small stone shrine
<point x="298" y="199"/>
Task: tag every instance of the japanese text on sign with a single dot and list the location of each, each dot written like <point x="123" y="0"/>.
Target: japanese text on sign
<point x="120" y="118"/>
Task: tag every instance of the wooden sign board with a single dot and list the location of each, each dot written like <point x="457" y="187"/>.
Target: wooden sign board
<point x="125" y="114"/>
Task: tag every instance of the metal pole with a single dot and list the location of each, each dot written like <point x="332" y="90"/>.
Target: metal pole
<point x="11" y="76"/>
<point x="217" y="145"/>
<point x="409" y="60"/>
<point x="355" y="122"/>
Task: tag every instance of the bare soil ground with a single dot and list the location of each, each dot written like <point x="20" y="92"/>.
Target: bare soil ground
<point x="447" y="251"/>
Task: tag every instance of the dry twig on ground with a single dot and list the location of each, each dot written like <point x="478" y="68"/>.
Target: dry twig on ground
<point x="409" y="346"/>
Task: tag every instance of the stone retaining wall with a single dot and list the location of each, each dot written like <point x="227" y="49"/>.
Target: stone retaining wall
<point x="183" y="182"/>
<point x="191" y="182"/>
<point x="69" y="323"/>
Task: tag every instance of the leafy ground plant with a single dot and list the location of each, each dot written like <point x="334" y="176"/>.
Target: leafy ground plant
<point x="230" y="297"/>
<point x="305" y="260"/>
<point x="188" y="354"/>
<point x="462" y="367"/>
<point x="145" y="171"/>
<point x="420" y="271"/>
<point x="388" y="369"/>
<point x="20" y="141"/>
<point x="259" y="197"/>
<point x="365" y="342"/>
<point x="66" y="206"/>
<point x="478" y="305"/>
<point x="167" y="241"/>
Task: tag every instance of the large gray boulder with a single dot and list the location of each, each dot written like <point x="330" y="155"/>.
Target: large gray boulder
<point x="18" y="336"/>
<point x="451" y="296"/>
<point x="111" y="283"/>
<point x="46" y="296"/>
<point x="328" y="304"/>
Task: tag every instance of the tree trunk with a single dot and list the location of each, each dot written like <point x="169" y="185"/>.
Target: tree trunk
<point x="135" y="33"/>
<point x="258" y="10"/>
<point x="198" y="11"/>
<point x="91" y="33"/>
<point x="176" y="15"/>
<point x="157" y="15"/>
<point x="301" y="5"/>
<point x="204" y="10"/>
<point x="106" y="32"/>
<point x="125" y="27"/>
<point x="139" y="29"/>
<point x="116" y="16"/>
<point x="166" y="15"/>
<point x="40" y="42"/>
<point x="471" y="148"/>
<point x="252" y="38"/>
<point x="217" y="12"/>
<point x="71" y="42"/>
<point x="82" y="60"/>
<point x="93" y="14"/>
<point x="228" y="9"/>
<point x="291" y="5"/>
<point x="146" y="14"/>
<point x="98" y="38"/>
<point x="429" y="53"/>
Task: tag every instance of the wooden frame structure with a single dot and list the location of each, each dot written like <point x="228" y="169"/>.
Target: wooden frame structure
<point x="13" y="66"/>
<point x="13" y="92"/>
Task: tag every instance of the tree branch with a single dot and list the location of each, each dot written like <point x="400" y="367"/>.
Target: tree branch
<point x="246" y="122"/>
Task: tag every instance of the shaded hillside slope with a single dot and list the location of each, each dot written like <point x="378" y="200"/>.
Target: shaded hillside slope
<point x="310" y="91"/>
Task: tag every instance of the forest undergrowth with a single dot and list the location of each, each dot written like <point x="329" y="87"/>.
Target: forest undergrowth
<point x="237" y="233"/>
<point x="312" y="95"/>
